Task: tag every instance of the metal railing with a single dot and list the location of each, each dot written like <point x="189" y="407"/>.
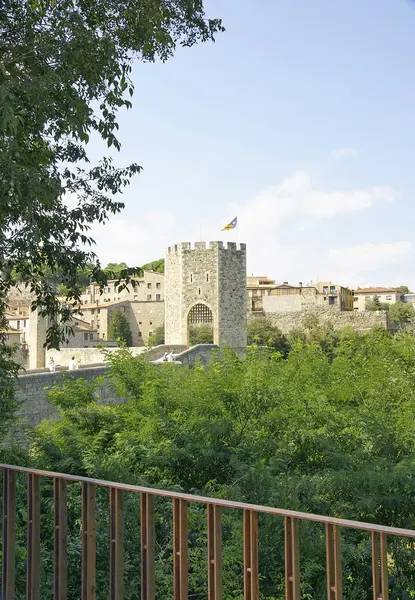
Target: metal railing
<point x="180" y="502"/>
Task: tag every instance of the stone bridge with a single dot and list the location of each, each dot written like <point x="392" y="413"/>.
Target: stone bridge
<point x="31" y="387"/>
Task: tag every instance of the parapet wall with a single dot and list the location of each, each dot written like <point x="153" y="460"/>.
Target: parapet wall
<point x="361" y="321"/>
<point x="197" y="246"/>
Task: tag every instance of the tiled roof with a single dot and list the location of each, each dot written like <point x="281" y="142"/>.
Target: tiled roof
<point x="378" y="290"/>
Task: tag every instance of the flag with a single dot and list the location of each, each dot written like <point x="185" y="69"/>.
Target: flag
<point x="232" y="225"/>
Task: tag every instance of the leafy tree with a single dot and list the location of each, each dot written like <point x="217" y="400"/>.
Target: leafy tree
<point x="404" y="289"/>
<point x="120" y="329"/>
<point x="401" y="313"/>
<point x="157" y="338"/>
<point x="261" y="331"/>
<point x="64" y="74"/>
<point x="373" y="304"/>
<point x="116" y="268"/>
<point x="200" y="334"/>
<point x="156" y="265"/>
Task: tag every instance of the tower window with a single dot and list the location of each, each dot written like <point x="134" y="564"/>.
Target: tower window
<point x="199" y="291"/>
<point x="191" y="278"/>
<point x="207" y="277"/>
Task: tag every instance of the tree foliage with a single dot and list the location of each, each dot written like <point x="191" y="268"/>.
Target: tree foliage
<point x="64" y="74"/>
<point x="155" y="265"/>
<point x="262" y="332"/>
<point x="329" y="429"/>
<point x="157" y="337"/>
<point x="200" y="334"/>
<point x="376" y="304"/>
<point x="120" y="330"/>
<point x="401" y="313"/>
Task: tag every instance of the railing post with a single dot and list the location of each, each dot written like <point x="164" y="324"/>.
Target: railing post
<point x="88" y="541"/>
<point x="60" y="546"/>
<point x="292" y="559"/>
<point x="180" y="550"/>
<point x="33" y="537"/>
<point x="9" y="534"/>
<point x="147" y="535"/>
<point x="380" y="583"/>
<point x="116" y="544"/>
<point x="214" y="514"/>
<point x="333" y="560"/>
<point x="251" y="581"/>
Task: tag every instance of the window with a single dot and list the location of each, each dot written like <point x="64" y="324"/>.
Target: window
<point x="332" y="300"/>
<point x="92" y="311"/>
<point x="135" y="296"/>
<point x="199" y="291"/>
<point x="91" y="336"/>
<point x="18" y="324"/>
<point x="367" y="297"/>
<point x="140" y="334"/>
<point x="355" y="299"/>
<point x="388" y="297"/>
<point x="158" y="297"/>
<point x="149" y="286"/>
<point x="140" y="322"/>
<point x="325" y="289"/>
<point x="98" y="311"/>
<point x="158" y="285"/>
<point x="151" y="322"/>
<point x="103" y="336"/>
<point x="207" y="277"/>
<point x="150" y="333"/>
<point x="108" y="290"/>
<point x="191" y="278"/>
<point x="85" y="336"/>
<point x="332" y="289"/>
<point x="148" y="296"/>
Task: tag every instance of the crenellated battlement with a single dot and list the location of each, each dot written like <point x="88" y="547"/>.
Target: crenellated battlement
<point x="200" y="246"/>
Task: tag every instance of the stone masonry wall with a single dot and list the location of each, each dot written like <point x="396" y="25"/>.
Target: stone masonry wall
<point x="232" y="295"/>
<point x="362" y="321"/>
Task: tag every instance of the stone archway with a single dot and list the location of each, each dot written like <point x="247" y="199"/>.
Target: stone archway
<point x="200" y="324"/>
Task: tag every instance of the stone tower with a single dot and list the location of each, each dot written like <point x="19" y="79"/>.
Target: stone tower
<point x="206" y="285"/>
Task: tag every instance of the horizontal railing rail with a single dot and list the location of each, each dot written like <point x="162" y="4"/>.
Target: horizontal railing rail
<point x="180" y="502"/>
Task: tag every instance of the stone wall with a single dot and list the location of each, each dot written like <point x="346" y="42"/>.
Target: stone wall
<point x="362" y="321"/>
<point x="31" y="388"/>
<point x="32" y="395"/>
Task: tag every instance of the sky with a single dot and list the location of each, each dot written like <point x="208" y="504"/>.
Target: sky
<point x="300" y="121"/>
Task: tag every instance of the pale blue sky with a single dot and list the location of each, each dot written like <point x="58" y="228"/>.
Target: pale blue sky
<point x="300" y="120"/>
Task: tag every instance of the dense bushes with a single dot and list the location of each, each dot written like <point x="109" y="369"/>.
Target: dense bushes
<point x="328" y="429"/>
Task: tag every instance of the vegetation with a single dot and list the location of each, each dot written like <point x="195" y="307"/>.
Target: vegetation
<point x="404" y="289"/>
<point x="401" y="313"/>
<point x="262" y="332"/>
<point x="65" y="73"/>
<point x="200" y="334"/>
<point x="328" y="429"/>
<point x="376" y="304"/>
<point x="157" y="339"/>
<point x="120" y="329"/>
<point x="156" y="265"/>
